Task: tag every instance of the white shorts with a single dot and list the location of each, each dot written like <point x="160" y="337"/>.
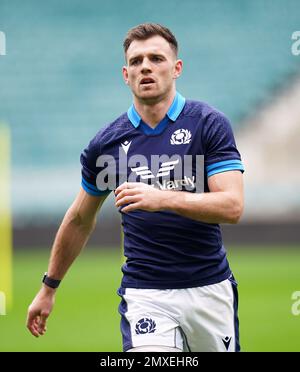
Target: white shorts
<point x="190" y="319"/>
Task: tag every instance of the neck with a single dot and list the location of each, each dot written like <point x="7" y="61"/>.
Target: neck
<point x="152" y="113"/>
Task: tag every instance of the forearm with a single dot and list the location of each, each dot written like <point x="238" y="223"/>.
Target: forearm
<point x="70" y="239"/>
<point x="213" y="207"/>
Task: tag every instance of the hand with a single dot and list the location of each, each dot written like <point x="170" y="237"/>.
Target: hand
<point x="39" y="310"/>
<point x="140" y="196"/>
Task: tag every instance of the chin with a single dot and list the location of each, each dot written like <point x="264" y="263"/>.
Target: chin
<point x="147" y="95"/>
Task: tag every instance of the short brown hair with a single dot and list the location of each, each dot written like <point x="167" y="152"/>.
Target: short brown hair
<point x="146" y="30"/>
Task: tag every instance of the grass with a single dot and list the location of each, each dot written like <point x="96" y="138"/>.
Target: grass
<point x="85" y="316"/>
<point x="267" y="278"/>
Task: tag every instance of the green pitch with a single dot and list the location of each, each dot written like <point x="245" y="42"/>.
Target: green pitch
<point x="85" y="316"/>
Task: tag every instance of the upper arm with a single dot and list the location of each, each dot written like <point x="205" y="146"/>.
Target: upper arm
<point x="223" y="165"/>
<point x="231" y="181"/>
<point x="85" y="207"/>
<point x="221" y="153"/>
<point x="92" y="168"/>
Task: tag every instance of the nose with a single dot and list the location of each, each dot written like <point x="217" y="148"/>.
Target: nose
<point x="146" y="65"/>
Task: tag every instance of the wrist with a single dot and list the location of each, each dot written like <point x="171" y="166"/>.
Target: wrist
<point x="50" y="282"/>
<point x="169" y="200"/>
<point x="48" y="290"/>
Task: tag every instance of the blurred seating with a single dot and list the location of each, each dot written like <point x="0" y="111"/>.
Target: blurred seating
<point x="61" y="78"/>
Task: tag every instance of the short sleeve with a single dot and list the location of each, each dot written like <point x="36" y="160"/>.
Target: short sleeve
<point x="221" y="153"/>
<point x="89" y="170"/>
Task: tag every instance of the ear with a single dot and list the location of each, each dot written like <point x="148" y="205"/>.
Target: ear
<point x="178" y="68"/>
<point x="125" y="75"/>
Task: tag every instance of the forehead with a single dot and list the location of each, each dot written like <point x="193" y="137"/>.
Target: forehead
<point x="153" y="45"/>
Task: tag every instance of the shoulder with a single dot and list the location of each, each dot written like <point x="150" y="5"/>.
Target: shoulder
<point x="204" y="111"/>
<point x="209" y="121"/>
<point x="111" y="132"/>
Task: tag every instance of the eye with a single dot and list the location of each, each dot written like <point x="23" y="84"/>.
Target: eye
<point x="134" y="62"/>
<point x="157" y="59"/>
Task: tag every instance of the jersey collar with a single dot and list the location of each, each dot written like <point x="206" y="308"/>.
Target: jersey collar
<point x="173" y="112"/>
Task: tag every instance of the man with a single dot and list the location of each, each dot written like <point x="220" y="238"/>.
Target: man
<point x="178" y="293"/>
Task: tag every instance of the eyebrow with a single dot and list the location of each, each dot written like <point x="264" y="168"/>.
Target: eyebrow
<point x="151" y="55"/>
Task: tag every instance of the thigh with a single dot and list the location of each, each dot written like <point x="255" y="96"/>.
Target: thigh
<point x="145" y="320"/>
<point x="211" y="324"/>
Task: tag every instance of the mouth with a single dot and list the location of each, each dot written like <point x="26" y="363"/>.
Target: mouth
<point x="147" y="81"/>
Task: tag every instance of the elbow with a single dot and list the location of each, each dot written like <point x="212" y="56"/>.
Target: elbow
<point x="77" y="220"/>
<point x="236" y="212"/>
<point x="73" y="217"/>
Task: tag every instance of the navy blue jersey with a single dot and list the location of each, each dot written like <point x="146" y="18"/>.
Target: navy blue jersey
<point x="163" y="249"/>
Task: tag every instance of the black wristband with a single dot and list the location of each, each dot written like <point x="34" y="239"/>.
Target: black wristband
<point x="53" y="283"/>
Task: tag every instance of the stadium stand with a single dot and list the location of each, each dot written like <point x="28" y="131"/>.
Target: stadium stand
<point x="61" y="81"/>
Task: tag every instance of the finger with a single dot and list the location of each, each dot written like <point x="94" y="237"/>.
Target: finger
<point x="31" y="321"/>
<point x="126" y="192"/>
<point x="42" y="331"/>
<point x="32" y="327"/>
<point x="126" y="185"/>
<point x="131" y="207"/>
<point x="36" y="322"/>
<point x="45" y="330"/>
<point x="31" y="317"/>
<point x="127" y="200"/>
<point x="42" y="323"/>
<point x="120" y="188"/>
<point x="34" y="330"/>
<point x="35" y="325"/>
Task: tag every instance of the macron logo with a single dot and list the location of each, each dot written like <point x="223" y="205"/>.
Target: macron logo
<point x="125" y="145"/>
<point x="226" y="342"/>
